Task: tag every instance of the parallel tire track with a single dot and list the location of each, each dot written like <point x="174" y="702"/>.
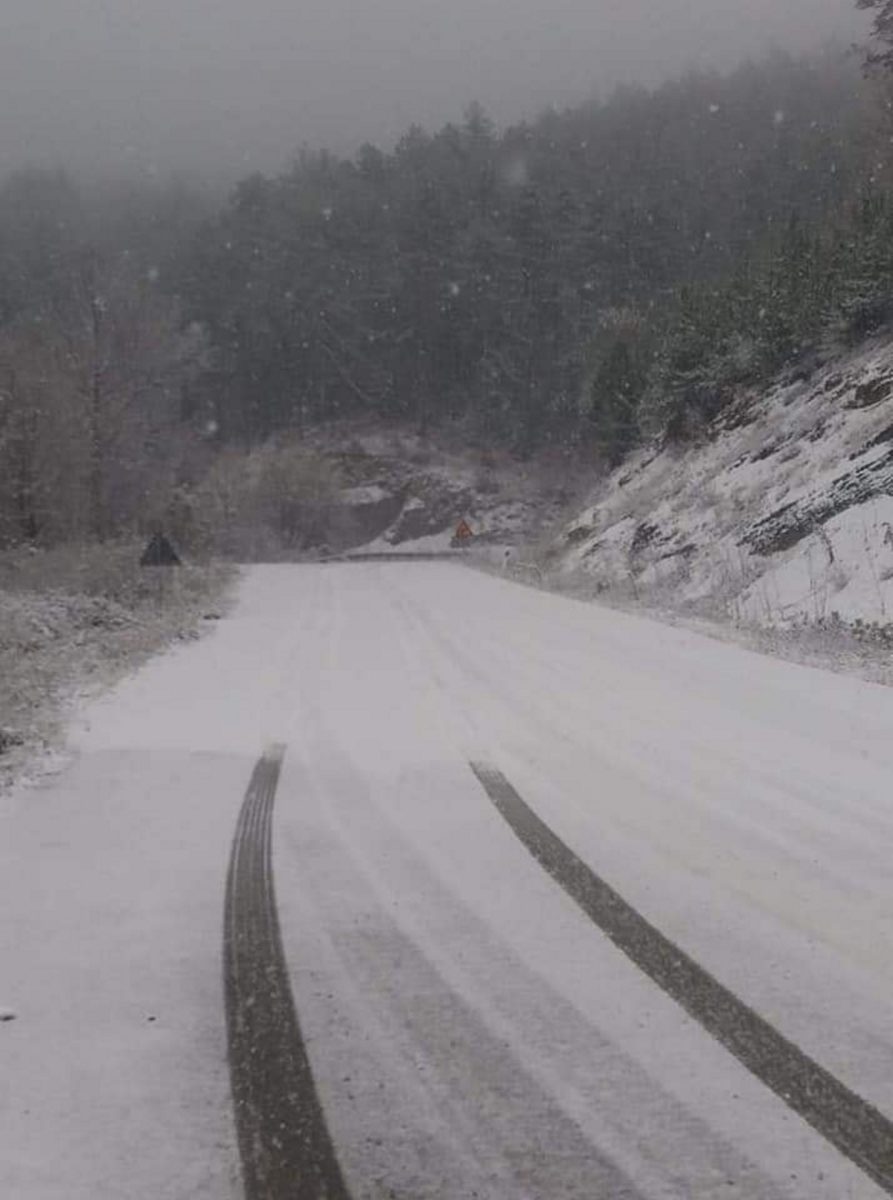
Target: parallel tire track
<point x="285" y="1147"/>
<point x="855" y="1127"/>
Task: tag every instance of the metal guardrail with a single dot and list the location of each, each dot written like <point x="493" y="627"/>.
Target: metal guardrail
<point x="395" y="556"/>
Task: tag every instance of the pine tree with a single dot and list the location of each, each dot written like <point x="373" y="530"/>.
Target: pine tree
<point x="613" y="396"/>
<point x="882" y="31"/>
<point x="862" y="297"/>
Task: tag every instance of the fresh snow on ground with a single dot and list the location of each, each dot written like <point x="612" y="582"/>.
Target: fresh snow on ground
<point x="471" y="1032"/>
<point x="782" y="515"/>
<point x="399" y="487"/>
<point x="434" y="543"/>
<point x="60" y="644"/>
<point x="371" y="494"/>
<point x="847" y="569"/>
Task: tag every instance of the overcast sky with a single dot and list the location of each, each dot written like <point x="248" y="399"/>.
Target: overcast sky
<point x="233" y="85"/>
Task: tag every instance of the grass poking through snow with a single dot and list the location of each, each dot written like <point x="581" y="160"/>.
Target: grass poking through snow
<point x="77" y="618"/>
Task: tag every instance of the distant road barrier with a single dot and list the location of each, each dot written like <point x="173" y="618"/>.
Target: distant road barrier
<point x="395" y="556"/>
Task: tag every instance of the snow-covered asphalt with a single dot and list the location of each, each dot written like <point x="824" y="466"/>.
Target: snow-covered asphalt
<point x="473" y="1026"/>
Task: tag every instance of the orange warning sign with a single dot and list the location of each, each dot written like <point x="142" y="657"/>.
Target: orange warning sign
<point x="463" y="531"/>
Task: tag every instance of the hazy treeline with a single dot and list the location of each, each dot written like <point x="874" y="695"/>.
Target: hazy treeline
<point x="809" y="294"/>
<point x="511" y="279"/>
<point x="615" y="269"/>
<point x="98" y="364"/>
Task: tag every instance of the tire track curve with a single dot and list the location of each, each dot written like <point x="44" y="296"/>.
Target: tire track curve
<point x="285" y="1147"/>
<point x="856" y="1128"/>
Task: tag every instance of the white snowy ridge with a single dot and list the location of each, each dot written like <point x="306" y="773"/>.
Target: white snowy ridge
<point x="782" y="515"/>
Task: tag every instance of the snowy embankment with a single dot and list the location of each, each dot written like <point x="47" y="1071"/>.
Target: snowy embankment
<point x="408" y="493"/>
<point x="73" y="622"/>
<point x="782" y="517"/>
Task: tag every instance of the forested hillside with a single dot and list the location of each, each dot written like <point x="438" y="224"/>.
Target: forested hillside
<point x="518" y="280"/>
<point x="585" y="280"/>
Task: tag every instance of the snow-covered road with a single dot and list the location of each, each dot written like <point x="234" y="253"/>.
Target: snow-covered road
<point x="471" y="1031"/>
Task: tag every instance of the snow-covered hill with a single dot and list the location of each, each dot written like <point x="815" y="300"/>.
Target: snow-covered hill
<point x="404" y="492"/>
<point x="782" y="515"/>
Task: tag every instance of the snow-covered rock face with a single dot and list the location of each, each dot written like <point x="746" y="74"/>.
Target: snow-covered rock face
<point x="405" y="493"/>
<point x="784" y="515"/>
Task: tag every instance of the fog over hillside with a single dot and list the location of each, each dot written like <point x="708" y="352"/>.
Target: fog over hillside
<point x="218" y="86"/>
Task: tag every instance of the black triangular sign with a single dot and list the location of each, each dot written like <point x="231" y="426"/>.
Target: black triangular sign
<point x="159" y="553"/>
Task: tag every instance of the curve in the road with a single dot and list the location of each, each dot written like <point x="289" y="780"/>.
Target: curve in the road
<point x="286" y="1150"/>
<point x="851" y="1124"/>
